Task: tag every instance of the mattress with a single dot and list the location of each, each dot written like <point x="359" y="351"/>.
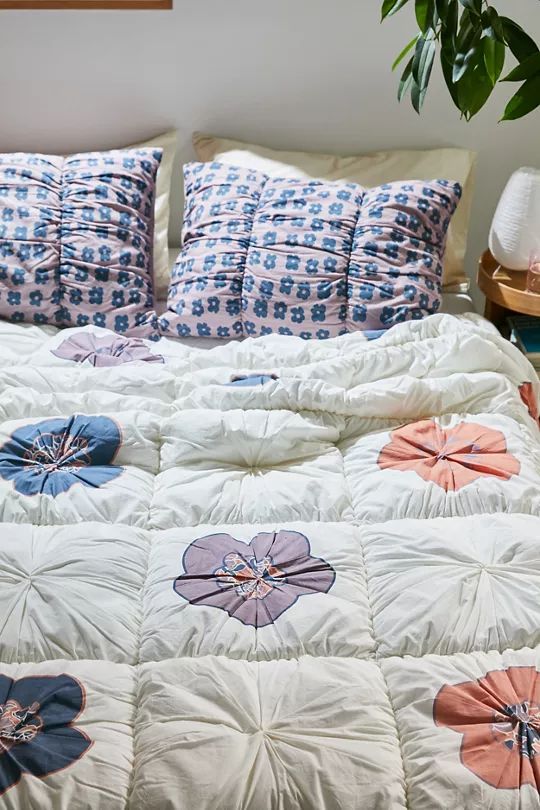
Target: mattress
<point x="278" y="575"/>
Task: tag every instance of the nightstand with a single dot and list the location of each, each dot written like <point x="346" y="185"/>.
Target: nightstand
<point x="505" y="292"/>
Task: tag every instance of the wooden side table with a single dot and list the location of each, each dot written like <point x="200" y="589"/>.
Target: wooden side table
<point x="505" y="292"/>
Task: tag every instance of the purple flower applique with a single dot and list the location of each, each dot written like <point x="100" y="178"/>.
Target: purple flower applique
<point x="108" y="350"/>
<point x="253" y="582"/>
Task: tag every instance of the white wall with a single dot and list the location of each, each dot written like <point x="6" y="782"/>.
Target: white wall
<point x="311" y="74"/>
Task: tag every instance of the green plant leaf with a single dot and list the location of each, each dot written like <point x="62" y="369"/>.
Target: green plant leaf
<point x="425" y="10"/>
<point x="492" y="25"/>
<point x="520" y="43"/>
<point x="450" y="26"/>
<point x="406" y="80"/>
<point x="524" y="101"/>
<point x="423" y="59"/>
<point x="462" y="62"/>
<point x="442" y="9"/>
<point x="418" y="96"/>
<point x="494" y="55"/>
<point x="475" y="86"/>
<point x="448" y="36"/>
<point x="475" y="6"/>
<point x="404" y="52"/>
<point x="470" y="32"/>
<point x="447" y="69"/>
<point x="526" y="70"/>
<point x="390" y="7"/>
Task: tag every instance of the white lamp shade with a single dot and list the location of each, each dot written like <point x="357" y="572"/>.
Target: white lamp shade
<point x="515" y="232"/>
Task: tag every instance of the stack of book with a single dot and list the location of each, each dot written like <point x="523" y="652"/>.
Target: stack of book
<point x="525" y="334"/>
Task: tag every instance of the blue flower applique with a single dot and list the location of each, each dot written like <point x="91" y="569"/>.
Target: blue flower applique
<point x="36" y="732"/>
<point x="51" y="456"/>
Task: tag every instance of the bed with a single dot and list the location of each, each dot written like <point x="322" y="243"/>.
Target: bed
<point x="274" y="575"/>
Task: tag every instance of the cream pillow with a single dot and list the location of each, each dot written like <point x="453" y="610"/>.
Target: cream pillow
<point x="367" y="170"/>
<point x="168" y="143"/>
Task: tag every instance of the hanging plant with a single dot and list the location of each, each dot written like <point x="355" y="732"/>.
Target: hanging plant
<point x="473" y="41"/>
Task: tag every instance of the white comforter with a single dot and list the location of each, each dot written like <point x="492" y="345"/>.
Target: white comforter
<point x="321" y="592"/>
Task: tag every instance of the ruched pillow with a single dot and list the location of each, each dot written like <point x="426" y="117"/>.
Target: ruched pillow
<point x="76" y="239"/>
<point x="310" y="258"/>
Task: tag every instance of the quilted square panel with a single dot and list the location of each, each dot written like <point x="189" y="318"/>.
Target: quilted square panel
<point x="288" y="734"/>
<point x="453" y="465"/>
<point x="454" y="584"/>
<point x="80" y="467"/>
<point x="256" y="592"/>
<point x="249" y="467"/>
<point x="67" y="735"/>
<point x="71" y="592"/>
<point x="468" y="726"/>
<point x="76" y="239"/>
<point x="305" y="257"/>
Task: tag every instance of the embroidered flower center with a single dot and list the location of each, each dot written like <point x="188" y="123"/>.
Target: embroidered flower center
<point x="51" y="452"/>
<point x="521" y="731"/>
<point x="18" y="724"/>
<point x="251" y="578"/>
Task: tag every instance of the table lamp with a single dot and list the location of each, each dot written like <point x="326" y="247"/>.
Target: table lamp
<point x="514" y="238"/>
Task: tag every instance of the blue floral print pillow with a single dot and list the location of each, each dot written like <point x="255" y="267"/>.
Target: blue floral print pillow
<point x="305" y="257"/>
<point x="76" y="239"/>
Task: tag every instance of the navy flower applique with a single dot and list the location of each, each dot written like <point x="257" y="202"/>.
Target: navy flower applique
<point x="50" y="456"/>
<point x="37" y="735"/>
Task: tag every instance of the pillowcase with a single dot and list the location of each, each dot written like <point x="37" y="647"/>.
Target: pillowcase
<point x="366" y="170"/>
<point x="162" y="269"/>
<point x="76" y="239"/>
<point x="308" y="258"/>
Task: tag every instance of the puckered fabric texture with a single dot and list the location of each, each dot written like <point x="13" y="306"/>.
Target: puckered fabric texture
<point x="310" y="258"/>
<point x="277" y="575"/>
<point x="76" y="239"/>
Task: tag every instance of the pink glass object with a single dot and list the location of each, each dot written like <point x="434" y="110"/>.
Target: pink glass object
<point x="533" y="276"/>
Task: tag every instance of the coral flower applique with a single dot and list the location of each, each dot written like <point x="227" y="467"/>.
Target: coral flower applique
<point x="528" y="396"/>
<point x="253" y="582"/>
<point x="452" y="457"/>
<point x="498" y="717"/>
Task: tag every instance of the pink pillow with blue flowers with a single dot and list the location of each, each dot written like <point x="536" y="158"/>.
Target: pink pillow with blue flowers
<point x="76" y="239"/>
<point x="305" y="257"/>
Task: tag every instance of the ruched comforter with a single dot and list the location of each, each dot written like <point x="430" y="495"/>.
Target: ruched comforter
<point x="315" y="586"/>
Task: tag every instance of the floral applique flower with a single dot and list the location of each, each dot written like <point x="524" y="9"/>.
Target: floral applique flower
<point x="498" y="717"/>
<point x="50" y="456"/>
<point x="108" y="350"/>
<point x="528" y="396"/>
<point x="37" y="735"/>
<point x="452" y="458"/>
<point x="253" y="582"/>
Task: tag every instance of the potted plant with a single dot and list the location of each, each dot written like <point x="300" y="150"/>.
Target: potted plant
<point x="473" y="41"/>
